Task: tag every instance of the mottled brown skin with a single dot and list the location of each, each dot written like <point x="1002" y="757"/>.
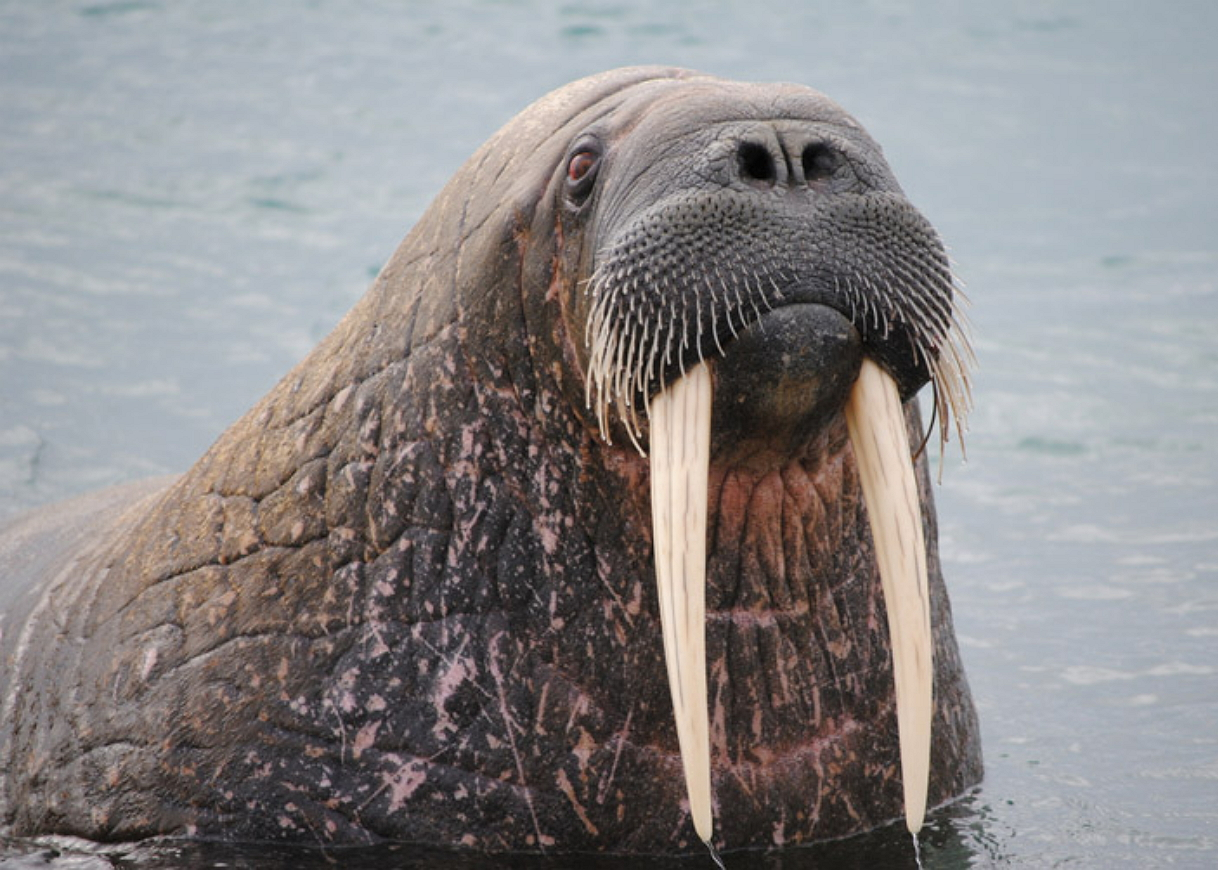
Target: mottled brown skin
<point x="410" y="594"/>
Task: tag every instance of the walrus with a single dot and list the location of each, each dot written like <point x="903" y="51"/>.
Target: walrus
<point x="592" y="526"/>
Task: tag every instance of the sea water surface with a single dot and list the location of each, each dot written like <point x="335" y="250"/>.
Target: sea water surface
<point x="192" y="193"/>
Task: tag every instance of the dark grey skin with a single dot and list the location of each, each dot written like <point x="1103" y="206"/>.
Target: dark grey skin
<point x="410" y="594"/>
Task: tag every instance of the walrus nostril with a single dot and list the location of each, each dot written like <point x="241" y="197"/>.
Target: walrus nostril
<point x="756" y="163"/>
<point x="820" y="162"/>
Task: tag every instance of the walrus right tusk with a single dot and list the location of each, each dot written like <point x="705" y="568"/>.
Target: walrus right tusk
<point x="881" y="449"/>
<point x="680" y="461"/>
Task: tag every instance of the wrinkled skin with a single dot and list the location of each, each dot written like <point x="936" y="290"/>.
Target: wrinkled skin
<point x="410" y="594"/>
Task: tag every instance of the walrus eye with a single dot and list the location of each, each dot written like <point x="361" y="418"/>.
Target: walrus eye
<point x="582" y="167"/>
<point x="581" y="164"/>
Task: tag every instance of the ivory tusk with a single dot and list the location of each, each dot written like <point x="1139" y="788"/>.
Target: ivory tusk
<point x="680" y="459"/>
<point x="881" y="448"/>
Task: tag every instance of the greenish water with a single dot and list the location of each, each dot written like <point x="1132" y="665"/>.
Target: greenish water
<point x="192" y="193"/>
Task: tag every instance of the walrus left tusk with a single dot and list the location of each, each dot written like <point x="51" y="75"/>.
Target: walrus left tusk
<point x="680" y="459"/>
<point x="881" y="448"/>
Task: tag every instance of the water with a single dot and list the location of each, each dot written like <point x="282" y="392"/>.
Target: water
<point x="191" y="194"/>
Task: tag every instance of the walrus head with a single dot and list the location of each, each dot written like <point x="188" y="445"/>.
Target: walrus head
<point x="696" y="236"/>
<point x="741" y="268"/>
